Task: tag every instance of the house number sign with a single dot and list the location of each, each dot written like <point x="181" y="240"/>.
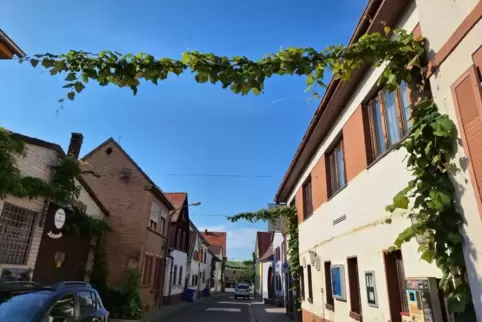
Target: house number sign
<point x="59" y="222"/>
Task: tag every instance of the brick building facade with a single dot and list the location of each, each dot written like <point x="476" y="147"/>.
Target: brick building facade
<point x="140" y="213"/>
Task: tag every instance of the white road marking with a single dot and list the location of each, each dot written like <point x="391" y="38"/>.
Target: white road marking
<point x="223" y="309"/>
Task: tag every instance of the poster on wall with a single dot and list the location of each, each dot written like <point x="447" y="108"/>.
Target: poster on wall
<point x="338" y="282"/>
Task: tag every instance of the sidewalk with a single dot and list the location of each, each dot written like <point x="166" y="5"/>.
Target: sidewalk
<point x="166" y="310"/>
<point x="269" y="313"/>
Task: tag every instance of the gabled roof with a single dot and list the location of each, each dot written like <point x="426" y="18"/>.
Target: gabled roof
<point x="178" y="199"/>
<point x="57" y="148"/>
<point x="11" y="45"/>
<point x="263" y="241"/>
<point x="216" y="238"/>
<point x="337" y="94"/>
<point x="152" y="186"/>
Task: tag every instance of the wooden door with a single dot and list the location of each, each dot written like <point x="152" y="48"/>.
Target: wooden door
<point x="75" y="248"/>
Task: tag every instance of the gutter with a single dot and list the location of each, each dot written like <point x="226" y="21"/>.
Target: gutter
<point x="332" y="88"/>
<point x="11" y="45"/>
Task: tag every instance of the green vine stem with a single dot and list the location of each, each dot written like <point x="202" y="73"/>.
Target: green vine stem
<point x="436" y="222"/>
<point x="240" y="74"/>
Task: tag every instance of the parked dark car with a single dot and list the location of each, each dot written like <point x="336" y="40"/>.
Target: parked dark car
<point x="63" y="302"/>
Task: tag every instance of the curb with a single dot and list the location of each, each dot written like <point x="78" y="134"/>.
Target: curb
<point x="169" y="310"/>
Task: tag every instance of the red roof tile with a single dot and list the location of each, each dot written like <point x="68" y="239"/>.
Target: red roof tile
<point x="216" y="238"/>
<point x="177" y="199"/>
<point x="263" y="242"/>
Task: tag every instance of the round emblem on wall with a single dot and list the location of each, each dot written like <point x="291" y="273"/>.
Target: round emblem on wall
<point x="59" y="218"/>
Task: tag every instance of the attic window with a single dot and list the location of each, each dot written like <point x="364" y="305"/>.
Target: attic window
<point x="108" y="151"/>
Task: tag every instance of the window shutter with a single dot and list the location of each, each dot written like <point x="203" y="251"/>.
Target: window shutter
<point x="467" y="95"/>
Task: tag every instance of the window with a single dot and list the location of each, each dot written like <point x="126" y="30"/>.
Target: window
<point x="87" y="304"/>
<point x="193" y="280"/>
<point x="277" y="254"/>
<point x="178" y="242"/>
<point x="389" y="117"/>
<point x="310" y="285"/>
<point x="63" y="310"/>
<point x="153" y="224"/>
<point x="204" y="276"/>
<point x="195" y="256"/>
<point x="174" y="275"/>
<point x="163" y="225"/>
<point x="155" y="216"/>
<point x="329" y="292"/>
<point x="302" y="282"/>
<point x="16" y="231"/>
<point x="307" y="198"/>
<point x="336" y="168"/>
<point x="180" y="275"/>
<point x="183" y="242"/>
<point x="147" y="270"/>
<point x="338" y="282"/>
<point x="354" y="284"/>
<point x="371" y="288"/>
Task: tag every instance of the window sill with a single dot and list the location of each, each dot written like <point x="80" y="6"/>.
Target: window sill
<point x="155" y="232"/>
<point x="337" y="192"/>
<point x="356" y="316"/>
<point x="384" y="154"/>
<point x="330" y="307"/>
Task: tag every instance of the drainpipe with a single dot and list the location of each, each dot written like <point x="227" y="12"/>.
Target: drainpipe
<point x="170" y="280"/>
<point x="166" y="254"/>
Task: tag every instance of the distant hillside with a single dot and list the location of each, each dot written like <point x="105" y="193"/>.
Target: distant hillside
<point x="235" y="264"/>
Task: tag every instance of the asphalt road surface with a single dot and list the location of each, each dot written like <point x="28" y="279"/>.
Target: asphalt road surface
<point x="223" y="308"/>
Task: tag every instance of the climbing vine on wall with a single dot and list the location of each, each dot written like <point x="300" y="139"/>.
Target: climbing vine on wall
<point x="436" y="222"/>
<point x="62" y="187"/>
<point x="428" y="144"/>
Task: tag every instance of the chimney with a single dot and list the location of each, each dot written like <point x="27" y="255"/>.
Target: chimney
<point x="75" y="145"/>
<point x="206" y="231"/>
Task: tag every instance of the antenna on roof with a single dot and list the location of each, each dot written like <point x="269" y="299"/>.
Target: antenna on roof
<point x="118" y="141"/>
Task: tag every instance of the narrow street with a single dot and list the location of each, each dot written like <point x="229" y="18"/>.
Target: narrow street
<point x="226" y="308"/>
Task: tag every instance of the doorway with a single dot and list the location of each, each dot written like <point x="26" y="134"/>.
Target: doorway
<point x="395" y="275"/>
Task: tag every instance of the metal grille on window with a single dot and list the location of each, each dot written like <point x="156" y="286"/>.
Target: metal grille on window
<point x="16" y="231"/>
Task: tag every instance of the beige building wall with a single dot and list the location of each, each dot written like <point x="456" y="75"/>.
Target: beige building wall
<point x="362" y="233"/>
<point x="438" y="22"/>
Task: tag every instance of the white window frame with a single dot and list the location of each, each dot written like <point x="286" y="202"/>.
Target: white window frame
<point x="155" y="215"/>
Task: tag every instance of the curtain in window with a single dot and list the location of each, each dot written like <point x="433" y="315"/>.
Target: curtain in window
<point x="394" y="134"/>
<point x="378" y="127"/>
<point x="340" y="166"/>
<point x="405" y="105"/>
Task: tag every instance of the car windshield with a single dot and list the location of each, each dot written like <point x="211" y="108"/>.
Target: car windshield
<point x="21" y="307"/>
<point x="242" y="287"/>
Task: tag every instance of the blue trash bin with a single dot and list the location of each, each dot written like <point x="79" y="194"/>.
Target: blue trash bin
<point x="190" y="295"/>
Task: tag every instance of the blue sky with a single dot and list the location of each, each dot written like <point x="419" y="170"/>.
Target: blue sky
<point x="178" y="127"/>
